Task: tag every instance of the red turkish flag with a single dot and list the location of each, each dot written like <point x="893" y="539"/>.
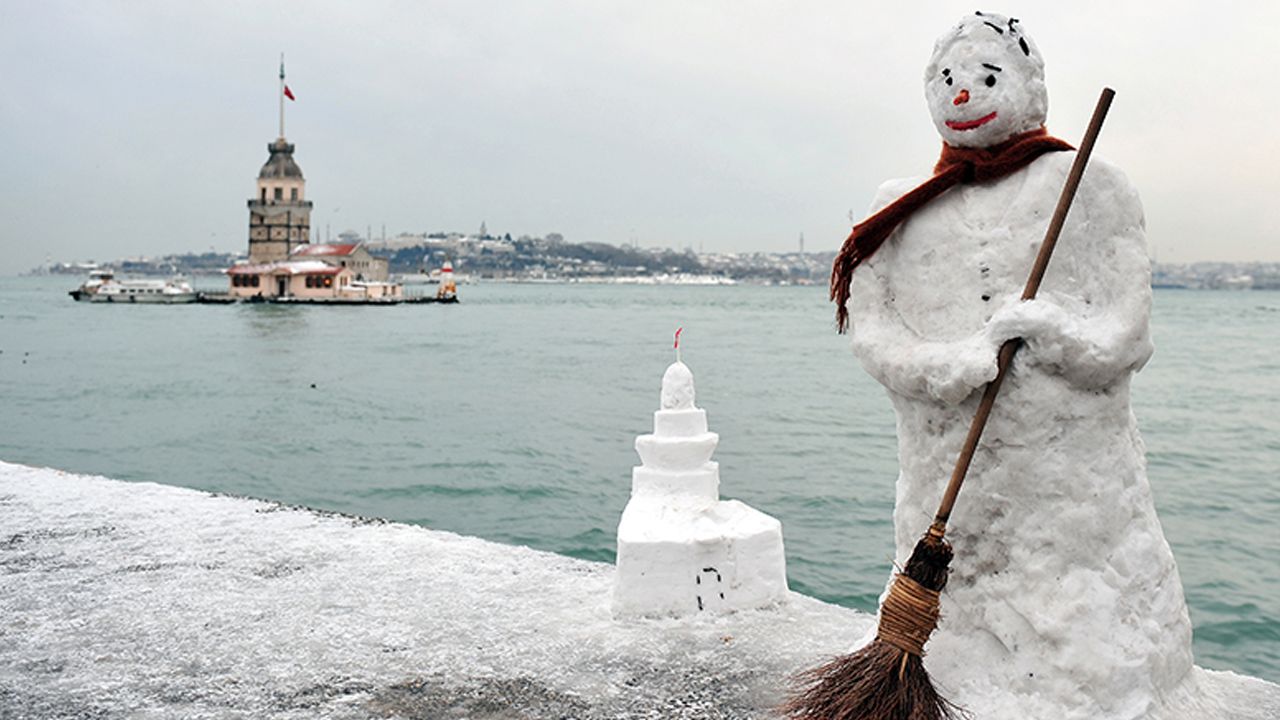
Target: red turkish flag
<point x="289" y="93"/>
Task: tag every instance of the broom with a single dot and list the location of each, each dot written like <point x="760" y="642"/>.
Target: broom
<point x="886" y="680"/>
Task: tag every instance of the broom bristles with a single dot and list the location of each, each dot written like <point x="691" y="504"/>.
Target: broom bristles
<point x="882" y="681"/>
<point x="878" y="682"/>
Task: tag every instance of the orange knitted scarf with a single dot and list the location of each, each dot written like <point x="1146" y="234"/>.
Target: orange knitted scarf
<point x="957" y="165"/>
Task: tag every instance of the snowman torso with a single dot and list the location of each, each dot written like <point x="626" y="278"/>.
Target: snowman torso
<point x="1062" y="578"/>
<point x="1063" y="599"/>
<point x="970" y="249"/>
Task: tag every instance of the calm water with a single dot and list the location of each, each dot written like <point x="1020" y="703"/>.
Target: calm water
<point x="512" y="416"/>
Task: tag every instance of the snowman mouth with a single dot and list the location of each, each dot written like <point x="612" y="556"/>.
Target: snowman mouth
<point x="971" y="124"/>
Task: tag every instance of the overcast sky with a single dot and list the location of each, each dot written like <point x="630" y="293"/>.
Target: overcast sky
<point x="139" y="127"/>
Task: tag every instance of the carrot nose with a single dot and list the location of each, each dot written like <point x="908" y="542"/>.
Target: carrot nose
<point x="962" y="98"/>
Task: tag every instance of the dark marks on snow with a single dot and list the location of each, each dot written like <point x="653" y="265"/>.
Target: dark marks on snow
<point x="270" y="506"/>
<point x="278" y="569"/>
<point x="701" y="691"/>
<point x="42" y="535"/>
<point x="148" y="566"/>
<point x="42" y="550"/>
<point x="42" y="666"/>
<point x="705" y="693"/>
<point x="481" y="699"/>
<point x="311" y="697"/>
<point x="20" y="702"/>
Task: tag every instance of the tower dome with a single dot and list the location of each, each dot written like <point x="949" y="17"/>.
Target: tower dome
<point x="280" y="164"/>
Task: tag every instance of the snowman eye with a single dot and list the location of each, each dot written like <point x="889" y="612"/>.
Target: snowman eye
<point x="991" y="81"/>
<point x="948" y="81"/>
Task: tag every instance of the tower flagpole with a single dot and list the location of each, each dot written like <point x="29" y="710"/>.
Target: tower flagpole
<point x="281" y="96"/>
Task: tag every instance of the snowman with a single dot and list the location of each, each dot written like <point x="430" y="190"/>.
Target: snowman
<point x="1063" y="600"/>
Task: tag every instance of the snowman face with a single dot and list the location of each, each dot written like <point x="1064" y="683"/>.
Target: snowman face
<point x="985" y="83"/>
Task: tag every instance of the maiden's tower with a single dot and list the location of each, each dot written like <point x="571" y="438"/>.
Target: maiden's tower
<point x="280" y="216"/>
<point x="283" y="265"/>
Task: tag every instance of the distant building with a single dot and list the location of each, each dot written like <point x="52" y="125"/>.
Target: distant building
<point x="306" y="280"/>
<point x="351" y="255"/>
<point x="309" y="279"/>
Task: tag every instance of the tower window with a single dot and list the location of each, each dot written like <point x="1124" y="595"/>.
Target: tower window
<point x="264" y="194"/>
<point x="279" y="193"/>
<point x="293" y="193"/>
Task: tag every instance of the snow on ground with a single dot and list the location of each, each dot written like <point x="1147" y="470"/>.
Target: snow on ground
<point x="148" y="601"/>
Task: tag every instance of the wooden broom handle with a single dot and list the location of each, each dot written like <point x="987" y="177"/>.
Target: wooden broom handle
<point x="1010" y="347"/>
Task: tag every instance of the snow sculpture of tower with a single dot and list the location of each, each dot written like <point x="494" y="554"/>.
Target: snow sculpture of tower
<point x="682" y="550"/>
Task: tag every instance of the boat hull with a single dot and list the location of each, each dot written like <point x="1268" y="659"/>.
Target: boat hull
<point x="132" y="299"/>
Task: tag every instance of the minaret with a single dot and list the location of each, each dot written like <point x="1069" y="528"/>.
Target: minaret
<point x="280" y="215"/>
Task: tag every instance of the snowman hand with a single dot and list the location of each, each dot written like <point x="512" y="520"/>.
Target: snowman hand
<point x="966" y="366"/>
<point x="1049" y="333"/>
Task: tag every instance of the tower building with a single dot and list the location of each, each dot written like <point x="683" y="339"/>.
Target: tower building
<point x="280" y="215"/>
<point x="283" y="265"/>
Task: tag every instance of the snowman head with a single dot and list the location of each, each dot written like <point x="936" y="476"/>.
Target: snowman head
<point x="985" y="82"/>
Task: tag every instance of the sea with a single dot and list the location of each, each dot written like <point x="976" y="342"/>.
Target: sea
<point x="512" y="416"/>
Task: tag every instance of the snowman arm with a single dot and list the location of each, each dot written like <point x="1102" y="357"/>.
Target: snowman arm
<point x="1090" y="323"/>
<point x="895" y="354"/>
<point x="904" y="362"/>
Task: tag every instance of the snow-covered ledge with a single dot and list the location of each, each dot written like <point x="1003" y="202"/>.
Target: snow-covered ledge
<point x="142" y="600"/>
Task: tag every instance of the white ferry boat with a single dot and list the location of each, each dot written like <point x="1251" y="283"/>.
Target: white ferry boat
<point x="102" y="286"/>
